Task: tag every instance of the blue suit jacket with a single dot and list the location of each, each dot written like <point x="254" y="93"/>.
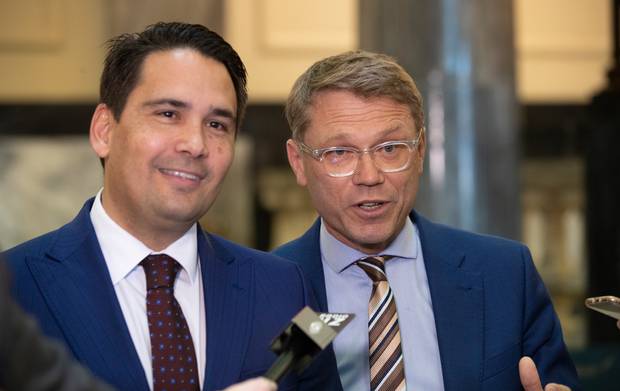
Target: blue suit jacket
<point x="490" y="306"/>
<point x="250" y="296"/>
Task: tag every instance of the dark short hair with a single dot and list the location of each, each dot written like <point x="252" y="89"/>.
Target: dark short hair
<point x="126" y="54"/>
<point x="365" y="74"/>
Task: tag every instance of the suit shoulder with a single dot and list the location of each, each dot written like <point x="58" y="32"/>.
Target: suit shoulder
<point x="304" y="247"/>
<point x="32" y="247"/>
<point x="15" y="258"/>
<point x="275" y="278"/>
<point x="481" y="251"/>
<point x="476" y="241"/>
<point x="74" y="230"/>
<point x="288" y="250"/>
<point x="256" y="256"/>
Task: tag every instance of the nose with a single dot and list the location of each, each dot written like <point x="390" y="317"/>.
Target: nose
<point x="192" y="141"/>
<point x="366" y="173"/>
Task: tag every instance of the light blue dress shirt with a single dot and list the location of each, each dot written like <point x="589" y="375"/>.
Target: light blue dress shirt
<point x="349" y="289"/>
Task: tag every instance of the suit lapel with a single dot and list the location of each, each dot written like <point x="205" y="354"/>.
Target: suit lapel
<point x="228" y="304"/>
<point x="75" y="282"/>
<point x="458" y="305"/>
<point x="310" y="260"/>
<point x="306" y="252"/>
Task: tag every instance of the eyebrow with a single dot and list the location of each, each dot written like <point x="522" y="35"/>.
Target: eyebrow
<point x="218" y="111"/>
<point x="344" y="138"/>
<point x="166" y="101"/>
<point x="223" y="113"/>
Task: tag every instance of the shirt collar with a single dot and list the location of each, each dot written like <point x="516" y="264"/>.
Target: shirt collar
<point x="123" y="252"/>
<point x="339" y="256"/>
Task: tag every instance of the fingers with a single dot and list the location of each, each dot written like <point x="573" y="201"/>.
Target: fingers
<point x="529" y="375"/>
<point x="257" y="384"/>
<point x="556" y="387"/>
<point x="530" y="379"/>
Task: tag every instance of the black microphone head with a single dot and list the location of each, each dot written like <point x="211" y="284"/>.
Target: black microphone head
<point x="306" y="335"/>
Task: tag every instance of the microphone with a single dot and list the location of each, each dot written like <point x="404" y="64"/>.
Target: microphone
<point x="307" y="334"/>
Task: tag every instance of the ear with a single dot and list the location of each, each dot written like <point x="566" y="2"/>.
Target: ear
<point x="296" y="162"/>
<point x="421" y="150"/>
<point x="101" y="125"/>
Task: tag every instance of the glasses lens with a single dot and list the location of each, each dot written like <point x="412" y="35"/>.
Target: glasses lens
<point x="339" y="162"/>
<point x="392" y="157"/>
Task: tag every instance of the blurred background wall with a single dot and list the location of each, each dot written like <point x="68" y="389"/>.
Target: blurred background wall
<point x="508" y="87"/>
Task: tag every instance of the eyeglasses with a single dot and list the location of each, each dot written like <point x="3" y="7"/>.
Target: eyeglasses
<point x="391" y="156"/>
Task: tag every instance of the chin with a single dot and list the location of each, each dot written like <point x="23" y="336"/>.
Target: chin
<point x="369" y="240"/>
<point x="182" y="215"/>
<point x="373" y="232"/>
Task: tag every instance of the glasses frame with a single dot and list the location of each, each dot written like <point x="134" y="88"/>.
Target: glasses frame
<point x="318" y="154"/>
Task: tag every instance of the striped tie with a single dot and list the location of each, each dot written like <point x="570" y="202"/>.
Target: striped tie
<point x="387" y="371"/>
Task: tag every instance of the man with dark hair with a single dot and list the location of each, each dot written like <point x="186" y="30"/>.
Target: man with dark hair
<point x="436" y="308"/>
<point x="126" y="54"/>
<point x="133" y="286"/>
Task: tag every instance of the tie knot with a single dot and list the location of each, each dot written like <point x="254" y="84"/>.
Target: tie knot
<point x="160" y="270"/>
<point x="374" y="267"/>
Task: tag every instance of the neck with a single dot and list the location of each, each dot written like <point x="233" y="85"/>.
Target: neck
<point x="157" y="237"/>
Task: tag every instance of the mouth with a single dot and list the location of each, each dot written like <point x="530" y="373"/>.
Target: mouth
<point x="182" y="174"/>
<point x="370" y="205"/>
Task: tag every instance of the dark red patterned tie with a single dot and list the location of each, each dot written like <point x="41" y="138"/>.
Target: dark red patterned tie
<point x="172" y="349"/>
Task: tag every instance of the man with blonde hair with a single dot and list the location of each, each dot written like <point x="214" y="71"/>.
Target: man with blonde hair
<point x="436" y="308"/>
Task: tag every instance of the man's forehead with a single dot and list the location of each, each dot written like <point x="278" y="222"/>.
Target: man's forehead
<point x="155" y="88"/>
<point x="366" y="136"/>
<point x="182" y="57"/>
<point x="332" y="100"/>
<point x="378" y="116"/>
<point x="151" y="60"/>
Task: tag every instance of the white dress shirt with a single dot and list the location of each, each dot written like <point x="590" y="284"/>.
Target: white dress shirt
<point x="123" y="254"/>
<point x="348" y="290"/>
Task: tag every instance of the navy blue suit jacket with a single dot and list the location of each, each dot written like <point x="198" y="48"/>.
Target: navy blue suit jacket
<point x="490" y="306"/>
<point x="250" y="296"/>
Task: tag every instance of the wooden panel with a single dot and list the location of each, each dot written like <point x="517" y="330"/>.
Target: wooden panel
<point x="31" y="23"/>
<point x="134" y="15"/>
<point x="563" y="48"/>
<point x="560" y="27"/>
<point x="311" y="25"/>
<point x="279" y="39"/>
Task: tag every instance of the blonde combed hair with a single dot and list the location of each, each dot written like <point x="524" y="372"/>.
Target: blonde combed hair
<point x="362" y="73"/>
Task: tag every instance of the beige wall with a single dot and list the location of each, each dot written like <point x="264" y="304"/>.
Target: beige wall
<point x="51" y="50"/>
<point x="563" y="48"/>
<point x="279" y="39"/>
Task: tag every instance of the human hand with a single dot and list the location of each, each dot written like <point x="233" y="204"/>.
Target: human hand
<point x="256" y="384"/>
<point x="530" y="379"/>
<point x="618" y="324"/>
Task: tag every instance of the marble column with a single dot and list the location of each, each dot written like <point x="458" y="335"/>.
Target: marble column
<point x="461" y="54"/>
